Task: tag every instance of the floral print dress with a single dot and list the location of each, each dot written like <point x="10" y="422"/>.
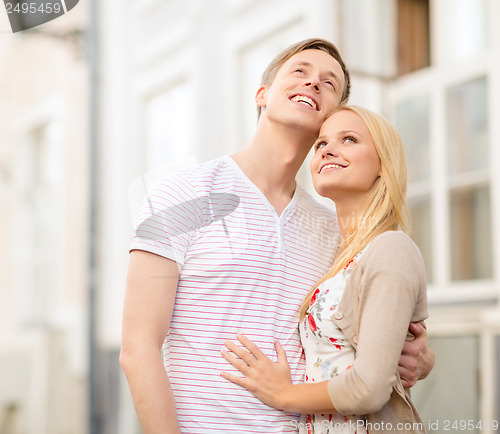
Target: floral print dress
<point x="328" y="352"/>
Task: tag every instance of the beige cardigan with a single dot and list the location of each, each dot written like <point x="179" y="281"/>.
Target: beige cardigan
<point x="386" y="291"/>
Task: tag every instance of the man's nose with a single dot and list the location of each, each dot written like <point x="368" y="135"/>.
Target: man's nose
<point x="314" y="83"/>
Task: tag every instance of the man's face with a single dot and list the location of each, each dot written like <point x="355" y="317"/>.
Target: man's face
<point x="306" y="89"/>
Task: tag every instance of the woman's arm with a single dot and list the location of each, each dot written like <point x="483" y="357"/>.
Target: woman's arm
<point x="392" y="288"/>
<point x="272" y="382"/>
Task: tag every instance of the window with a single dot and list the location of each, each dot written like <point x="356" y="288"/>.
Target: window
<point x="470" y="236"/>
<point x="463" y="29"/>
<point x="443" y="114"/>
<point x="413" y="35"/>
<point x="412" y="121"/>
<point x="169" y="126"/>
<point x="38" y="223"/>
<point x="421" y="229"/>
<point x="468" y="143"/>
<point x="452" y="390"/>
<point x="468" y="175"/>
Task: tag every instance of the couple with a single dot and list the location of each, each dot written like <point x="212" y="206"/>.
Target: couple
<point x="197" y="279"/>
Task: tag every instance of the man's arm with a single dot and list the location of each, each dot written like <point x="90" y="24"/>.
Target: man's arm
<point x="417" y="359"/>
<point x="149" y="303"/>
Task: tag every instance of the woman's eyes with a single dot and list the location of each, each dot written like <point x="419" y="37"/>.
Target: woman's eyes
<point x="346" y="139"/>
<point x="319" y="145"/>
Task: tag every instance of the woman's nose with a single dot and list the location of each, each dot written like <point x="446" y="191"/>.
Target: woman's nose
<point x="329" y="150"/>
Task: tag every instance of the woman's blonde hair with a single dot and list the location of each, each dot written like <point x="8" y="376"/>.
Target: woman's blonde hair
<point x="385" y="207"/>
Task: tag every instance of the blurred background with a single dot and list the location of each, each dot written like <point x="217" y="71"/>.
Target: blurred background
<point x="98" y="103"/>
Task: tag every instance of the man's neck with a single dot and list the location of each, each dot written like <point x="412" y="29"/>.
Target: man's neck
<point x="272" y="161"/>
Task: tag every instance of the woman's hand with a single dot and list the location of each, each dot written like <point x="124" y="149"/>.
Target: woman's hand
<point x="272" y="382"/>
<point x="268" y="381"/>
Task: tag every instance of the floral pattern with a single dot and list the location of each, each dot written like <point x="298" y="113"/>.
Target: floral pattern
<point x="328" y="352"/>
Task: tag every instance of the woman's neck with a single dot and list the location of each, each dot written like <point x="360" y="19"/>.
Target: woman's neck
<point x="349" y="218"/>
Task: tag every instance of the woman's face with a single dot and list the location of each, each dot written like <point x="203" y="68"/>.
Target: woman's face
<point x="345" y="163"/>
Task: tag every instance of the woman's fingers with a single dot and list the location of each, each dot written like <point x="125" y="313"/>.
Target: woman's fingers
<point x="250" y="360"/>
<point x="250" y="346"/>
<point x="280" y="352"/>
<point x="237" y="363"/>
<point x="264" y="378"/>
<point x="240" y="352"/>
<point x="240" y="381"/>
<point x="254" y="352"/>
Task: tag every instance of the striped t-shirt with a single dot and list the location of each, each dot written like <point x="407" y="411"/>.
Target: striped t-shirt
<point x="243" y="269"/>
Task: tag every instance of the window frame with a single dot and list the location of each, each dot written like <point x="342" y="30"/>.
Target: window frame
<point x="436" y="80"/>
<point x="40" y="116"/>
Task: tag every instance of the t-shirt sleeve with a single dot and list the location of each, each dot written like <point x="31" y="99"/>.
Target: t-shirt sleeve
<point x="169" y="218"/>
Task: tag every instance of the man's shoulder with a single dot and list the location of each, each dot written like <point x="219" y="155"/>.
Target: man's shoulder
<point x="175" y="183"/>
<point x="215" y="167"/>
<point x="196" y="175"/>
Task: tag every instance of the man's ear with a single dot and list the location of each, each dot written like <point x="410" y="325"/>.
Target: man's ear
<point x="260" y="96"/>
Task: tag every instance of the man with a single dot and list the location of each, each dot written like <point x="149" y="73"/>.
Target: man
<point x="234" y="245"/>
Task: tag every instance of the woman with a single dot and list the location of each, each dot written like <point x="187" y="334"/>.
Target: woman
<point x="353" y="324"/>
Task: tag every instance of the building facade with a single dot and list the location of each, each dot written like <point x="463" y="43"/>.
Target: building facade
<point x="44" y="87"/>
